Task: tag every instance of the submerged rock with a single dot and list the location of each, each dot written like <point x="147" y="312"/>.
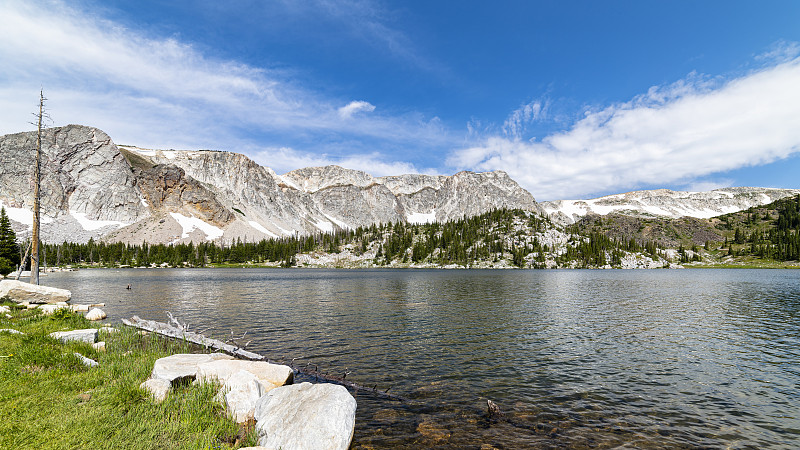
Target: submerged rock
<point x="19" y="291"/>
<point x="306" y="416"/>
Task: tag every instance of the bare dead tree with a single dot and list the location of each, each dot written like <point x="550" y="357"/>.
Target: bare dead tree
<point x="37" y="178"/>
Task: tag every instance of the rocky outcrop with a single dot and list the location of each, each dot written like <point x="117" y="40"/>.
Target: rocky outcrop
<point x="306" y="416"/>
<point x="667" y="203"/>
<point x="19" y="291"/>
<point x="96" y="314"/>
<point x="95" y="189"/>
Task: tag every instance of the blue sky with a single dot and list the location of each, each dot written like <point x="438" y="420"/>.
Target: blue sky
<point x="572" y="99"/>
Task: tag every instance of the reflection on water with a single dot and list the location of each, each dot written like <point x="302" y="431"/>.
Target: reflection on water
<point x="574" y="358"/>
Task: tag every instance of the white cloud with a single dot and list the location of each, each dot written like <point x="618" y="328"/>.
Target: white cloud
<point x="673" y="134"/>
<point x="351" y="108"/>
<point x="520" y="118"/>
<point x="165" y="93"/>
<point x="287" y="159"/>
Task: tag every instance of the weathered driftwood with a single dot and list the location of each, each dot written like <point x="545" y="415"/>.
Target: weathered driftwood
<point x="182" y="333"/>
<point x="188" y="336"/>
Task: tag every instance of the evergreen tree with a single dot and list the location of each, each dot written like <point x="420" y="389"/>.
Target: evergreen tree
<point x="8" y="239"/>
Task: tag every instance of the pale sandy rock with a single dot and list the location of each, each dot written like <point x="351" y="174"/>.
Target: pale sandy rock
<point x="88" y="335"/>
<point x="183" y="365"/>
<point x="4" y="309"/>
<point x="99" y="346"/>
<point x="268" y="374"/>
<point x="157" y="388"/>
<point x="87" y="361"/>
<point x="80" y="308"/>
<point x="97" y="305"/>
<point x="19" y="291"/>
<point x="306" y="416"/>
<point x="96" y="314"/>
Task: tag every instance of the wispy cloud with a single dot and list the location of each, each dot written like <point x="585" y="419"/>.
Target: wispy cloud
<point x="353" y="107"/>
<point x="159" y="92"/>
<point x="672" y="134"/>
<point x="519" y="119"/>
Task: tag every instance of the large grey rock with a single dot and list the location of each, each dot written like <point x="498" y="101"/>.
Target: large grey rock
<point x="306" y="416"/>
<point x="19" y="291"/>
<point x="268" y="374"/>
<point x="88" y="335"/>
<point x="157" y="388"/>
<point x="183" y="365"/>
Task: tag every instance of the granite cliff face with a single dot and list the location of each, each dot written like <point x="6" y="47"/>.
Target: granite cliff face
<point x="95" y="189"/>
<point x="667" y="203"/>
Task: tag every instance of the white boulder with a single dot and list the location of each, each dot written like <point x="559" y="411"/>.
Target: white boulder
<point x="80" y="308"/>
<point x="269" y="375"/>
<point x="4" y="309"/>
<point x="88" y="335"/>
<point x="96" y="314"/>
<point x="183" y="365"/>
<point x="306" y="416"/>
<point x="157" y="388"/>
<point x="19" y="291"/>
<point x="241" y="392"/>
<point x="99" y="346"/>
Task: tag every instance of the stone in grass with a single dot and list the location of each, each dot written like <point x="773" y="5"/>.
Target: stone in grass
<point x="11" y="331"/>
<point x="96" y="314"/>
<point x="4" y="309"/>
<point x="99" y="346"/>
<point x="183" y="365"/>
<point x="86" y="361"/>
<point x="306" y="416"/>
<point x="157" y="388"/>
<point x="50" y="308"/>
<point x="20" y="291"/>
<point x="88" y="335"/>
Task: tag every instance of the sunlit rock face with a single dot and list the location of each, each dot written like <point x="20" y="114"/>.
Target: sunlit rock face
<point x="667" y="203"/>
<point x="92" y="188"/>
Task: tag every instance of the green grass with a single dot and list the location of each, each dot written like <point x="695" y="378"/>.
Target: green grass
<point x="49" y="400"/>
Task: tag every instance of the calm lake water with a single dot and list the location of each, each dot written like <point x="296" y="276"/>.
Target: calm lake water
<point x="574" y="358"/>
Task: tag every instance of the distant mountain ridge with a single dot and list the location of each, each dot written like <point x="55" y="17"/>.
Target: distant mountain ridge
<point x="667" y="203"/>
<point x="93" y="188"/>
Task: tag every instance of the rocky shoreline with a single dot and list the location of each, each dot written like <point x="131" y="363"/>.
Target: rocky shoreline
<point x="286" y="415"/>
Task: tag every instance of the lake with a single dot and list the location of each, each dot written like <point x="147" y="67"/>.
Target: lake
<point x="574" y="358"/>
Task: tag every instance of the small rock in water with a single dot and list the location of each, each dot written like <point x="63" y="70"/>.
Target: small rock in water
<point x="96" y="314"/>
<point x="80" y="308"/>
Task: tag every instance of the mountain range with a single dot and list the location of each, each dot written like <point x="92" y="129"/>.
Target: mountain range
<point x="93" y="188"/>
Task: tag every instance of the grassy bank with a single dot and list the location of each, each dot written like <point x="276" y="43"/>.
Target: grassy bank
<point x="49" y="399"/>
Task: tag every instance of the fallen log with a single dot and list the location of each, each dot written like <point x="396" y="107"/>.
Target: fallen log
<point x="181" y="333"/>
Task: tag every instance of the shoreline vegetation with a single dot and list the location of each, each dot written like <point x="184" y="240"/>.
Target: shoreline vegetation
<point x="52" y="400"/>
<point x="761" y="237"/>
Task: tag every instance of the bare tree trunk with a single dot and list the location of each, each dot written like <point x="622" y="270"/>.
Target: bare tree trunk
<point x="36" y="182"/>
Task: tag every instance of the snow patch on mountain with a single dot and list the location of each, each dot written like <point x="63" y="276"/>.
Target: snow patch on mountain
<point x="190" y="224"/>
